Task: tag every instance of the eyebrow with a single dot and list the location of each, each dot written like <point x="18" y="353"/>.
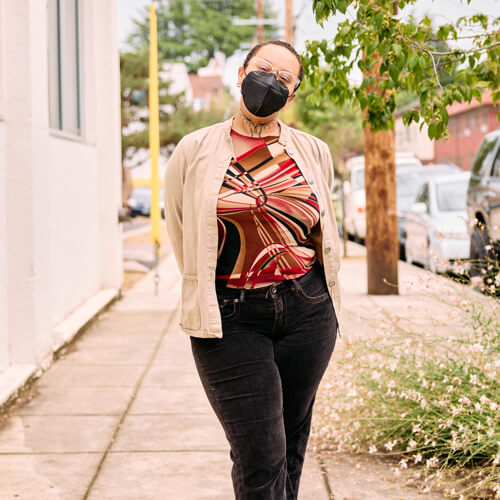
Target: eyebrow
<point x="281" y="69"/>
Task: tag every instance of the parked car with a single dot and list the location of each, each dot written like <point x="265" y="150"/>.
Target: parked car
<point x="139" y="202"/>
<point x="337" y="201"/>
<point x="354" y="191"/>
<point x="483" y="204"/>
<point x="408" y="183"/>
<point x="436" y="225"/>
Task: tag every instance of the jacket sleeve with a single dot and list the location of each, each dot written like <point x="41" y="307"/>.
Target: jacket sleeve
<point x="173" y="193"/>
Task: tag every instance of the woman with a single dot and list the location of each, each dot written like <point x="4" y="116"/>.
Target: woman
<point x="251" y="223"/>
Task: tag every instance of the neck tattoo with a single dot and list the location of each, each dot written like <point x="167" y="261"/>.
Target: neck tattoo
<point x="257" y="129"/>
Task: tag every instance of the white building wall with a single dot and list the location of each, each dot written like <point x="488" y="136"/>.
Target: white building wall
<point x="413" y="140"/>
<point x="3" y="221"/>
<point x="3" y="246"/>
<point x="60" y="240"/>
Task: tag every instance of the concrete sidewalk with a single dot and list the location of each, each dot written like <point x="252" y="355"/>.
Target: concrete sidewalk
<point x="122" y="415"/>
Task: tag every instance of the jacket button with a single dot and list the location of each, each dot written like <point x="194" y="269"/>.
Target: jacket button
<point x="328" y="250"/>
<point x="331" y="283"/>
<point x="311" y="181"/>
<point x="290" y="151"/>
<point x="323" y="212"/>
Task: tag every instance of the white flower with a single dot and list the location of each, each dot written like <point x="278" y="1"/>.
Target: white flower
<point x="403" y="463"/>
<point x="373" y="449"/>
<point x="411" y="444"/>
<point x="390" y="445"/>
<point x="418" y="458"/>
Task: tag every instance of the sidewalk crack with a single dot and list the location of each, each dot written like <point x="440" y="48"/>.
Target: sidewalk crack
<point x="132" y="399"/>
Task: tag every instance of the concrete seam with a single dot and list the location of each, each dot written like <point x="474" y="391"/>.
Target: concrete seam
<point x="132" y="399"/>
<point x="324" y="474"/>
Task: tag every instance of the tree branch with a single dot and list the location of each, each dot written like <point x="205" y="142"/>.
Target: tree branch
<point x="453" y="52"/>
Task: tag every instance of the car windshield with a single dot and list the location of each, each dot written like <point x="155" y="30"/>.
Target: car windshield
<point x="451" y="196"/>
<point x="358" y="179"/>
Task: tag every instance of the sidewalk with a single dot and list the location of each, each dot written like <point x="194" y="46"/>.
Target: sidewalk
<point x="122" y="415"/>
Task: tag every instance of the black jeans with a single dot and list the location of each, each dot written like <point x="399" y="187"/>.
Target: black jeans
<point x="261" y="378"/>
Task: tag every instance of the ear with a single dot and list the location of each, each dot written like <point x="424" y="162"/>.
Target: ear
<point x="241" y="75"/>
<point x="291" y="98"/>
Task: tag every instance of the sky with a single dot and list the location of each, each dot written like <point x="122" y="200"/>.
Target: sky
<point x="441" y="11"/>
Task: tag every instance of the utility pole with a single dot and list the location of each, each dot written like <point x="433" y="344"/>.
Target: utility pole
<point x="382" y="240"/>
<point x="260" y="18"/>
<point x="289" y="23"/>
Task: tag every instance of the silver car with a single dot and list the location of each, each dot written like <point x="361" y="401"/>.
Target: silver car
<point x="436" y="225"/>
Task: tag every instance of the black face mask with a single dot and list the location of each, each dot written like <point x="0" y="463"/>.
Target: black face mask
<point x="263" y="94"/>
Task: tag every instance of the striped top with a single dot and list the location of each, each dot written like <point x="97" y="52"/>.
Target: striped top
<point x="265" y="214"/>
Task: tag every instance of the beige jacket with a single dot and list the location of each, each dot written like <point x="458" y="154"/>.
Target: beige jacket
<point x="193" y="179"/>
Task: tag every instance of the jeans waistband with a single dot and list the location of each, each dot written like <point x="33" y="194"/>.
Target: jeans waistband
<point x="315" y="271"/>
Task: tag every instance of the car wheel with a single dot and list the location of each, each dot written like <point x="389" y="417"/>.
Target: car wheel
<point x="408" y="255"/>
<point x="430" y="259"/>
<point x="478" y="254"/>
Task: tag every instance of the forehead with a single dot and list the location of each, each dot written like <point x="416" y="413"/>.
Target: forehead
<point x="280" y="57"/>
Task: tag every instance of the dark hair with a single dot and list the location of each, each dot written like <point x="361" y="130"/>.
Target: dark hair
<point x="282" y="44"/>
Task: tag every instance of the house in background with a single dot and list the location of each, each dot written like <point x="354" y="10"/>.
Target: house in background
<point x="468" y="124"/>
<point x="207" y="83"/>
<point x="198" y="89"/>
<point x="411" y="139"/>
<point x="60" y="176"/>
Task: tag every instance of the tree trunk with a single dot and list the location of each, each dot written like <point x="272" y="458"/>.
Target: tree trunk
<point x="289" y="23"/>
<point x="382" y="240"/>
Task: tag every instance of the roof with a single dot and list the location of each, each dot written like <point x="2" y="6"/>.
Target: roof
<point x="205" y="86"/>
<point x="454" y="109"/>
<point x="461" y="107"/>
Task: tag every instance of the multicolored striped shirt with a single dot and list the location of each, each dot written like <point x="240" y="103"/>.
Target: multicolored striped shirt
<point x="266" y="212"/>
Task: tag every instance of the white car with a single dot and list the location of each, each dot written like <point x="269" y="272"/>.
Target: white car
<point x="354" y="192"/>
<point x="436" y="225"/>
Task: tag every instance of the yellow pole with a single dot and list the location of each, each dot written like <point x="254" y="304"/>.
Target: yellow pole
<point x="154" y="132"/>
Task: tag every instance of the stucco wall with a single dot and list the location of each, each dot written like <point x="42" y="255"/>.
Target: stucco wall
<point x="3" y="255"/>
<point x="60" y="239"/>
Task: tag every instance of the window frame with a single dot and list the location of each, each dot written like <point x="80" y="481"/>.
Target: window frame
<point x="59" y="129"/>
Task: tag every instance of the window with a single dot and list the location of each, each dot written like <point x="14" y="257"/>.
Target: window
<point x="485" y="149"/>
<point x="450" y="196"/>
<point x="64" y="66"/>
<point x="423" y="197"/>
<point x="495" y="171"/>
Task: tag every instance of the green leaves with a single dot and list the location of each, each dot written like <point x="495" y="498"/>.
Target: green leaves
<point x="415" y="58"/>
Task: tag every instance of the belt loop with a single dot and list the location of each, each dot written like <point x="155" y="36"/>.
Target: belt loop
<point x="242" y="295"/>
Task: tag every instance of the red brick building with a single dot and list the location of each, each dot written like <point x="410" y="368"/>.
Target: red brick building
<point x="468" y="124"/>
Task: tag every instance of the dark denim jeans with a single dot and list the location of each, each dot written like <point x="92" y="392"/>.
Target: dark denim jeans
<point x="261" y="378"/>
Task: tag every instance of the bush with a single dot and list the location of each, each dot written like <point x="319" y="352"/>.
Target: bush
<point x="433" y="402"/>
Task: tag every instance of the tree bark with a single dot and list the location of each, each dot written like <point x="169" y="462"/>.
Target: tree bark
<point x="382" y="240"/>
